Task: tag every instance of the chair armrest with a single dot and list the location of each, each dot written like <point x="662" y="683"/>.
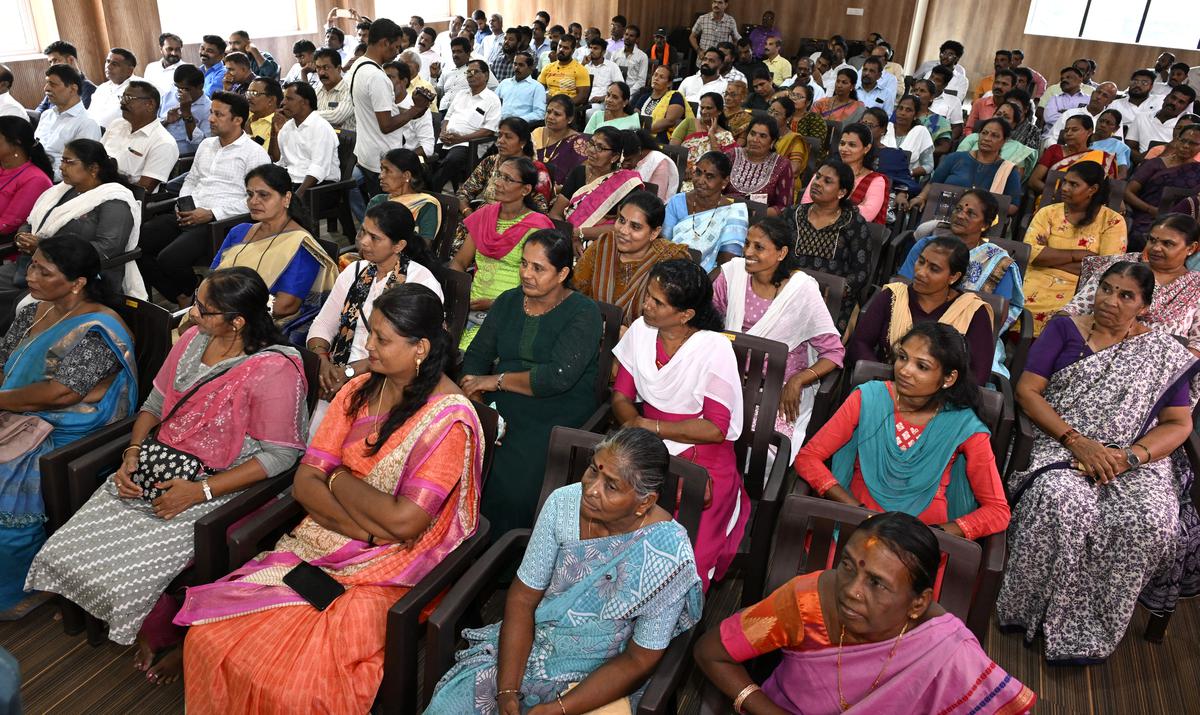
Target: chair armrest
<point x="1022" y="445"/>
<point x="824" y="402"/>
<point x="281" y="514"/>
<point x="159" y="207"/>
<point x="1024" y="341"/>
<point x="212" y="559"/>
<point x="121" y="258"/>
<point x="330" y="187"/>
<point x="446" y="620"/>
<point x="84" y="472"/>
<point x="54" y="469"/>
<point x="600" y="420"/>
<point x="398" y="691"/>
<point x="987" y="588"/>
<point x="669" y="676"/>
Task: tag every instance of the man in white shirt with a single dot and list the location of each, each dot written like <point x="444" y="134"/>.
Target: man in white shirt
<point x="333" y="91"/>
<point x="373" y="97"/>
<point x="1101" y="99"/>
<point x="837" y="55"/>
<point x="633" y="63"/>
<point x="306" y="144"/>
<point x="1162" y="74"/>
<point x="804" y="75"/>
<point x="106" y="102"/>
<point x="490" y="42"/>
<point x="453" y="81"/>
<point x="417" y="132"/>
<point x="145" y="151"/>
<point x="161" y="73"/>
<point x="706" y="80"/>
<point x="303" y="70"/>
<point x="428" y="55"/>
<point x="66" y="119"/>
<point x="441" y="44"/>
<point x="948" y="56"/>
<point x="9" y="107"/>
<point x="602" y="72"/>
<point x="944" y="104"/>
<point x="1159" y="126"/>
<point x="1138" y="98"/>
<point x="474" y="115"/>
<point x="171" y="243"/>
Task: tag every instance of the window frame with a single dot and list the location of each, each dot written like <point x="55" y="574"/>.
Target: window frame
<point x="37" y="16"/>
<point x="1034" y="26"/>
<point x="307" y="22"/>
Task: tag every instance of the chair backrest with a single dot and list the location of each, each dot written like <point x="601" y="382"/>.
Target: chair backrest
<point x="312" y="376"/>
<point x="943" y="197"/>
<point x="757" y="210"/>
<point x="150" y="326"/>
<point x="679" y="155"/>
<point x="833" y="129"/>
<point x="565" y="226"/>
<point x="991" y="403"/>
<point x="879" y="258"/>
<point x="650" y="186"/>
<point x="570" y="452"/>
<point x="489" y="419"/>
<point x="1172" y="195"/>
<point x="833" y="289"/>
<point x="1019" y="251"/>
<point x="811" y="532"/>
<point x="345" y="153"/>
<point x="450" y="220"/>
<point x="761" y="362"/>
<point x="330" y="247"/>
<point x="1052" y="191"/>
<point x="456" y="298"/>
<point x="612" y="317"/>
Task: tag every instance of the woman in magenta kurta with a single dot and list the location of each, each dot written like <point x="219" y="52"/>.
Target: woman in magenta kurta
<point x="24" y="173"/>
<point x="685" y="375"/>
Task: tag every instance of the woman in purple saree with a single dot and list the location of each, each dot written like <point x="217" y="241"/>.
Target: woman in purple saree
<point x="894" y="644"/>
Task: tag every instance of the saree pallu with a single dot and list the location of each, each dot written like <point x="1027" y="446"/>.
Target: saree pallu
<point x="1080" y="552"/>
<point x="828" y="108"/>
<point x="594" y="201"/>
<point x="21" y="510"/>
<point x="426" y="212"/>
<point x="659" y="113"/>
<point x="708" y="230"/>
<point x="562" y="156"/>
<point x="939" y="668"/>
<point x="115" y="556"/>
<point x="1154" y="177"/>
<point x="271" y="258"/>
<point x="600" y="593"/>
<point x="623" y="284"/>
<point x="257" y="646"/>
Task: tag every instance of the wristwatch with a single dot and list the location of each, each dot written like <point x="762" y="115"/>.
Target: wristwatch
<point x="350" y="372"/>
<point x="1131" y="457"/>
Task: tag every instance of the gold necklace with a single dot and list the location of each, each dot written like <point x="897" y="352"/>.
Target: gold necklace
<point x="525" y="305"/>
<point x="842" y="702"/>
<point x="379" y="411"/>
<point x="35" y="324"/>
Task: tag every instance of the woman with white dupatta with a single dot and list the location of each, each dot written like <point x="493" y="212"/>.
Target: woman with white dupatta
<point x="761" y="295"/>
<point x="92" y="203"/>
<point x="683" y="371"/>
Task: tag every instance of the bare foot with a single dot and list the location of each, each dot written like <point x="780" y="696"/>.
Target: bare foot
<point x="168" y="668"/>
<point x="145" y="654"/>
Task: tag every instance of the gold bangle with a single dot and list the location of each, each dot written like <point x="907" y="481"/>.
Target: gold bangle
<point x="336" y="472"/>
<point x="740" y="700"/>
<point x="560" y="704"/>
<point x="125" y="451"/>
<point x="816" y="375"/>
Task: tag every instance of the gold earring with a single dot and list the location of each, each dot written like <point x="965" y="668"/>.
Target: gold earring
<point x="418" y="364"/>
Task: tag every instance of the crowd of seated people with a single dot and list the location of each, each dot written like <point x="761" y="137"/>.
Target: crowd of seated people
<point x="693" y="191"/>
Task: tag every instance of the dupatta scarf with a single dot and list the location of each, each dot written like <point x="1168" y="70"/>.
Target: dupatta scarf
<point x="47" y="218"/>
<point x="597" y="199"/>
<point x="958" y="315"/>
<point x="908" y="480"/>
<point x="481" y="225"/>
<point x="258" y="585"/>
<point x="33" y="361"/>
<point x="938" y="668"/>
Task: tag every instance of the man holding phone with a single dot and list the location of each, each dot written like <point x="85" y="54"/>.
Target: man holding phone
<point x="215" y="190"/>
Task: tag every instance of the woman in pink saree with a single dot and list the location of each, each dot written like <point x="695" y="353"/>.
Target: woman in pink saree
<point x="391" y="486"/>
<point x="592" y="191"/>
<point x="864" y="637"/>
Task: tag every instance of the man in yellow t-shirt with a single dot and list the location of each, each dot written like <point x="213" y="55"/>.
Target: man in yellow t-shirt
<point x="780" y="68"/>
<point x="566" y="76"/>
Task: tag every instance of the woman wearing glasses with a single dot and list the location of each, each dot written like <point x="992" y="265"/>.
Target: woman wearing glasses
<point x="592" y="191"/>
<point x="280" y="248"/>
<point x="229" y="394"/>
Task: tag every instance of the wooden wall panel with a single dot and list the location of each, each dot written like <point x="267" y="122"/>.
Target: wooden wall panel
<point x="596" y="13"/>
<point x="988" y="27"/>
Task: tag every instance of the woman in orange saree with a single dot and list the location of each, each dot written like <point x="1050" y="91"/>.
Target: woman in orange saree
<point x="391" y="486"/>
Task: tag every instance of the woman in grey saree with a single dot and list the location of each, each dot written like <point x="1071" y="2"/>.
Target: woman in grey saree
<point x="1097" y="515"/>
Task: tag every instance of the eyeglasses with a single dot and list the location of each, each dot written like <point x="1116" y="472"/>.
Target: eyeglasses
<point x="254" y="93"/>
<point x="472" y="73"/>
<point x="596" y="146"/>
<point x="69" y="162"/>
<point x="202" y="309"/>
<point x="501" y="176"/>
<point x="130" y="98"/>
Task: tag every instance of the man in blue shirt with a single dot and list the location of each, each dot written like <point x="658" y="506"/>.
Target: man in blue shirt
<point x="521" y="95"/>
<point x="873" y="91"/>
<point x="184" y="109"/>
<point x="212" y="60"/>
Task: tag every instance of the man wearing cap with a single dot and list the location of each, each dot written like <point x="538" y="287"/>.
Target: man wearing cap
<point x="660" y="51"/>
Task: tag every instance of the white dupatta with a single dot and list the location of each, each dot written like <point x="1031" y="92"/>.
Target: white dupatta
<point x="797" y="315"/>
<point x="46" y="219"/>
<point x="704" y="367"/>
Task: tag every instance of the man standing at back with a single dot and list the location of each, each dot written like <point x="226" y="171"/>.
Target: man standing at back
<point x="373" y="96"/>
<point x="713" y="28"/>
<point x="161" y="72"/>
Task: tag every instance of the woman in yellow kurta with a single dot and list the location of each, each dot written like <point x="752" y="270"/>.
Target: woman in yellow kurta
<point x="1064" y="234"/>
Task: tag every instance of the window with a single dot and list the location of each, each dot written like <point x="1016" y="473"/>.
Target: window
<point x="1157" y="23"/>
<point x="399" y="11"/>
<point x="192" y="21"/>
<point x="28" y="27"/>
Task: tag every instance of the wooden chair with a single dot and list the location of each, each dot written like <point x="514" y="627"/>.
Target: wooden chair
<point x="330" y="200"/>
<point x="810" y="537"/>
<point x="996" y="412"/>
<point x="398" y="690"/>
<point x="451" y="217"/>
<point x="103" y="456"/>
<point x="568" y="455"/>
<point x="456" y="291"/>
